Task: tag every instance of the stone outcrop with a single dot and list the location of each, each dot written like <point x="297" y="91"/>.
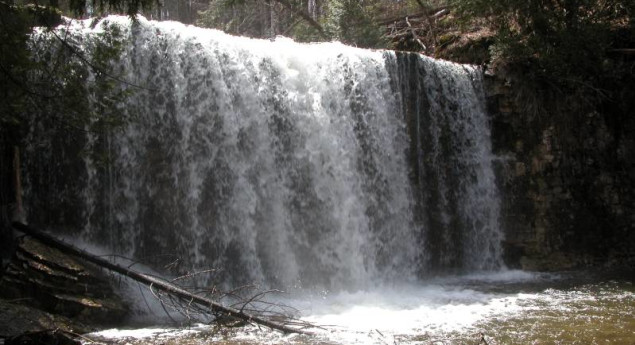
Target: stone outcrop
<point x="567" y="176"/>
<point x="16" y="318"/>
<point x="45" y="278"/>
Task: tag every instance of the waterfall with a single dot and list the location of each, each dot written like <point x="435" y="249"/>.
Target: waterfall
<point x="451" y="158"/>
<point x="296" y="165"/>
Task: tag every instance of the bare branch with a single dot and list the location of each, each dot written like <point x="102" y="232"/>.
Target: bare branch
<point x="193" y="303"/>
<point x="414" y="35"/>
<point x="304" y="16"/>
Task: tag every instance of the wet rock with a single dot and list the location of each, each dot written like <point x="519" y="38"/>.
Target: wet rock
<point x="45" y="278"/>
<point x="48" y="337"/>
<point x="17" y="318"/>
<point x="567" y="181"/>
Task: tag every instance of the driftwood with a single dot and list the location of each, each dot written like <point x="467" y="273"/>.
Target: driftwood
<point x="420" y="29"/>
<point x="156" y="283"/>
<point x="626" y="51"/>
<point x="414" y="35"/>
<point x="434" y="12"/>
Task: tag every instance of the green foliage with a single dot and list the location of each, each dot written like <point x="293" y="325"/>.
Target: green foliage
<point x="47" y="76"/>
<point x="53" y="78"/>
<point x="240" y="17"/>
<point x="75" y="89"/>
<point x="13" y="62"/>
<point x="350" y="21"/>
<point x="564" y="40"/>
<point x="129" y="7"/>
<point x="16" y="23"/>
<point x="355" y="22"/>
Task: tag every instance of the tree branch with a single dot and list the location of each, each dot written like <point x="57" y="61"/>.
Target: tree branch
<point x="305" y="16"/>
<point x="414" y="35"/>
<point x="156" y="283"/>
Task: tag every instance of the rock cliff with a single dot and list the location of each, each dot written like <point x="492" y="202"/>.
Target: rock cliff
<point x="567" y="172"/>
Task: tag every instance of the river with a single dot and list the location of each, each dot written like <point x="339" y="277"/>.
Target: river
<point x="508" y="307"/>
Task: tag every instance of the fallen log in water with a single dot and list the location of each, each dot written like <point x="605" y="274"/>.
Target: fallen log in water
<point x="154" y="282"/>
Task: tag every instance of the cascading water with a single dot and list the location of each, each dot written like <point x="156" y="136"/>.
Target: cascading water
<point x="308" y="165"/>
<point x="452" y="163"/>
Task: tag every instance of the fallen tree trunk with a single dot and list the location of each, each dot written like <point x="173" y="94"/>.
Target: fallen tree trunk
<point x="627" y="51"/>
<point x="154" y="282"/>
<point x="426" y="13"/>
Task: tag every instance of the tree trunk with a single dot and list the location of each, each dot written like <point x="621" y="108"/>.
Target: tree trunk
<point x="154" y="282"/>
<point x="306" y="16"/>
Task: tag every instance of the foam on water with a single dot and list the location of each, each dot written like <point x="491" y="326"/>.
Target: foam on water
<point x="454" y="310"/>
<point x="445" y="305"/>
<point x="448" y="308"/>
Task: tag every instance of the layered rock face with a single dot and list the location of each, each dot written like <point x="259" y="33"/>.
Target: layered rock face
<point x="45" y="278"/>
<point x="567" y="178"/>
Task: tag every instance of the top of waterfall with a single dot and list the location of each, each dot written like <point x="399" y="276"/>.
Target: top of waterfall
<point x="279" y="43"/>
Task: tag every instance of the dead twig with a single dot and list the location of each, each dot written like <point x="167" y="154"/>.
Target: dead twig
<point x="414" y="35"/>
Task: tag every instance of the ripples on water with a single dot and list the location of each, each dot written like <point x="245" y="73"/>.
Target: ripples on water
<point x="505" y="308"/>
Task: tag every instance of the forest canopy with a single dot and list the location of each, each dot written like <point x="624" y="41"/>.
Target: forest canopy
<point x="567" y="41"/>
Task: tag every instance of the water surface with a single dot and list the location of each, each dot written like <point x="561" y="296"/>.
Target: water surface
<point x="511" y="307"/>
